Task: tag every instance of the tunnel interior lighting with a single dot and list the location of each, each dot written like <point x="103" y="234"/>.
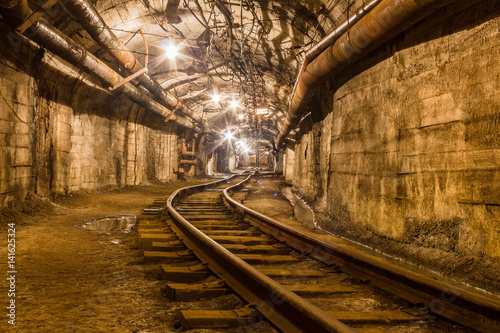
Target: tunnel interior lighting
<point x="262" y="111"/>
<point x="171" y="51"/>
<point x="234" y="104"/>
<point x="216" y="98"/>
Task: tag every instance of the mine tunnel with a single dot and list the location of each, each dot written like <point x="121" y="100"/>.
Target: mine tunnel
<point x="250" y="166"/>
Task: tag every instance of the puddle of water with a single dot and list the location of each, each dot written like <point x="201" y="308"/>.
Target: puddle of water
<point x="117" y="223"/>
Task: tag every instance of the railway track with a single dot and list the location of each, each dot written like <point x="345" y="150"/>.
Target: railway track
<point x="294" y="282"/>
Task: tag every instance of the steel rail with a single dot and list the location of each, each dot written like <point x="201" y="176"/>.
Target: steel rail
<point x="457" y="304"/>
<point x="282" y="308"/>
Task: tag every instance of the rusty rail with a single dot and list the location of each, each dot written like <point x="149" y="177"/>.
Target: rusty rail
<point x="457" y="304"/>
<point x="281" y="307"/>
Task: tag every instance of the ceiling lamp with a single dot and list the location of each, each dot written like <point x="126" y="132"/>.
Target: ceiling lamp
<point x="229" y="135"/>
<point x="262" y="111"/>
<point x="234" y="104"/>
<point x="216" y="98"/>
<point x="171" y="51"/>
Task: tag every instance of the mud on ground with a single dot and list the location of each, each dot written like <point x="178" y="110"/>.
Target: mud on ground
<point x="71" y="279"/>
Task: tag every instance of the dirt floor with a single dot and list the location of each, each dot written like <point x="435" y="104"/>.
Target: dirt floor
<point x="71" y="279"/>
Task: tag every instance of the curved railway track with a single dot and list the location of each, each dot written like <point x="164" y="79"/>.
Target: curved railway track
<point x="295" y="282"/>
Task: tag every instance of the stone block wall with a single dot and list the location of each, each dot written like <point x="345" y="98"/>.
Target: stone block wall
<point x="60" y="134"/>
<point x="16" y="127"/>
<point x="409" y="145"/>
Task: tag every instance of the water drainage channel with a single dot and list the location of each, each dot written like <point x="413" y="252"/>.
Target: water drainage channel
<point x="292" y="281"/>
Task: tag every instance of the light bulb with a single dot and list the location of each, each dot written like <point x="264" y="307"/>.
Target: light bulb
<point x="171" y="51"/>
<point x="234" y="104"/>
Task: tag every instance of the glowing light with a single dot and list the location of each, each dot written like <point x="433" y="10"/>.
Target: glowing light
<point x="171" y="51"/>
<point x="216" y="98"/>
<point x="234" y="104"/>
<point x="241" y="116"/>
<point x="262" y="111"/>
<point x="228" y="135"/>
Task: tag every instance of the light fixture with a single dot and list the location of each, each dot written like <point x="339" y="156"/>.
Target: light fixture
<point x="228" y="135"/>
<point x="241" y="116"/>
<point x="216" y="98"/>
<point x="234" y="104"/>
<point x="262" y="111"/>
<point x="171" y="51"/>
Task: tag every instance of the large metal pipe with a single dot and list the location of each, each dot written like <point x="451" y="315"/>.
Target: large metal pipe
<point x="328" y="40"/>
<point x="384" y="22"/>
<point x="93" y="23"/>
<point x="56" y="42"/>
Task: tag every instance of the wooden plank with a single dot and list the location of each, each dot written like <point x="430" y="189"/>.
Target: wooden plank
<point x="242" y="240"/>
<point x="267" y="259"/>
<point x="295" y="273"/>
<point x="263" y="249"/>
<point x="373" y="317"/>
<point x="187" y="292"/>
<point x="202" y="217"/>
<point x="168" y="257"/>
<point x="152" y="225"/>
<point x="146" y="240"/>
<point x="221" y="227"/>
<point x="218" y="318"/>
<point x="184" y="274"/>
<point x="143" y="231"/>
<point x="214" y="222"/>
<point x="172" y="246"/>
<point x="319" y="290"/>
<point x="198" y="208"/>
<point x="231" y="233"/>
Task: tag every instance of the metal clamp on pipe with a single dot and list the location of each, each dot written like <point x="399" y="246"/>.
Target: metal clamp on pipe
<point x="35" y="16"/>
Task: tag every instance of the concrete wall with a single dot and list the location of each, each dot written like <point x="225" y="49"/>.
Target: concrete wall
<point x="406" y="143"/>
<point x="59" y="134"/>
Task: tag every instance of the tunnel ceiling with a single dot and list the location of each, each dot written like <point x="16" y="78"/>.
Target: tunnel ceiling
<point x="248" y="51"/>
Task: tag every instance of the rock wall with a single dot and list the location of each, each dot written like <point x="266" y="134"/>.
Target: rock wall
<point x="406" y="143"/>
<point x="60" y="132"/>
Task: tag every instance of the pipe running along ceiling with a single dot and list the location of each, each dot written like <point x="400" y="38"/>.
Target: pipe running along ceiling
<point x="247" y="52"/>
